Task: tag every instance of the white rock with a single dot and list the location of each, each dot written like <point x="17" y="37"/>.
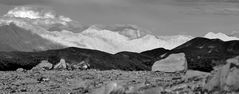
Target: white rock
<point x="44" y="65"/>
<point x="20" y="70"/>
<point x="173" y="63"/>
<point x="61" y="64"/>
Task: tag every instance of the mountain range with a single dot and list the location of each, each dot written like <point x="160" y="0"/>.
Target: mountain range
<point x="63" y="32"/>
<point x="29" y="35"/>
<point x="201" y="54"/>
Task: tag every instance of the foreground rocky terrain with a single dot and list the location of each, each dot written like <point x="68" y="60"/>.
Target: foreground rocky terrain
<point x="42" y="80"/>
<point x="94" y="82"/>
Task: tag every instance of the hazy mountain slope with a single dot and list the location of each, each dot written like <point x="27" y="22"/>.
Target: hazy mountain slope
<point x="5" y="47"/>
<point x="14" y="38"/>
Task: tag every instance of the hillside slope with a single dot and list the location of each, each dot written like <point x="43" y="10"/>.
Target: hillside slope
<point x="14" y="38"/>
<point x="73" y="56"/>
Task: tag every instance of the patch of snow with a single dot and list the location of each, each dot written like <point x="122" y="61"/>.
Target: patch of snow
<point x="221" y="36"/>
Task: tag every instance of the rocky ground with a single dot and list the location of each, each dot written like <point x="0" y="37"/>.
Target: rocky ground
<point x="94" y="82"/>
<point x="43" y="79"/>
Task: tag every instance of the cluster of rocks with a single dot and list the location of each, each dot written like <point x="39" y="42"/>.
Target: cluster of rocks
<point x="225" y="78"/>
<point x="62" y="65"/>
<point x="171" y="76"/>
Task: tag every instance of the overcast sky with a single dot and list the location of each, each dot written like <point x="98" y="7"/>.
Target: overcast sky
<point x="163" y="17"/>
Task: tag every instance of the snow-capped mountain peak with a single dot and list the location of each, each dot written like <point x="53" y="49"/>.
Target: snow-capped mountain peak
<point x="221" y="36"/>
<point x="109" y="38"/>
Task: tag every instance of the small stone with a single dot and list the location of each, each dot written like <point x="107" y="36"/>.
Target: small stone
<point x="43" y="79"/>
<point x="43" y="65"/>
<point x="20" y="70"/>
<point x="82" y="65"/>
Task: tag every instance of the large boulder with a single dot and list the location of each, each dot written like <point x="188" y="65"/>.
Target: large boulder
<point x="173" y="63"/>
<point x="225" y="78"/>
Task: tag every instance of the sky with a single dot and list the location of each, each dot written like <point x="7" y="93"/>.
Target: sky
<point x="162" y="17"/>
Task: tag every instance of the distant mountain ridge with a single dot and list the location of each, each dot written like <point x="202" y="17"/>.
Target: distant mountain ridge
<point x="201" y="54"/>
<point x="62" y="31"/>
